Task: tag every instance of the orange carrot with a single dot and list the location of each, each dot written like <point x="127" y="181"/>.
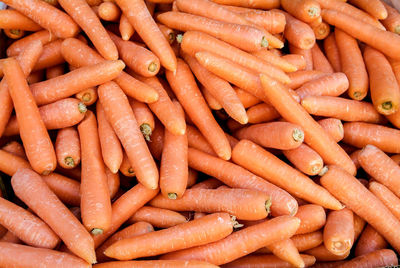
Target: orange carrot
<point x="10" y="163"/>
<point x="321" y="29"/>
<point x="211" y="101"/>
<point x="320" y="62"/>
<point x="386" y="196"/>
<point x="142" y="21"/>
<point x="10" y="238"/>
<point x="156" y="144"/>
<point x="254" y="261"/>
<point x="144" y="118"/>
<point x="157" y="217"/>
<point x="287" y="251"/>
<point x="109" y="11"/>
<point x="306" y="11"/>
<point x="51" y="56"/>
<point x="301" y="77"/>
<point x="47" y="16"/>
<point x="378" y="258"/>
<point x="126" y="168"/>
<point x="14" y="33"/>
<point x="322" y="254"/>
<point x="312" y="218"/>
<point x="362" y="202"/>
<point x="278" y="135"/>
<point x="307" y="241"/>
<point x="305" y="159"/>
<point x="333" y="127"/>
<point x="354" y="156"/>
<point x="246" y="98"/>
<point x="113" y="182"/>
<point x="35" y="77"/>
<point x="20" y="45"/>
<point x="306" y="53"/>
<point x="392" y="21"/>
<point x="15" y="148"/>
<point x="125" y="28"/>
<point x="87" y="96"/>
<point x="359" y="224"/>
<point x="27" y="184"/>
<point x="66" y="189"/>
<point x="375" y="8"/>
<point x="250" y="4"/>
<point x="370" y="240"/>
<point x="198" y="232"/>
<point x="155" y="264"/>
<point x="168" y="33"/>
<point x="12" y="19"/>
<point x="332" y="52"/>
<point x="296" y="60"/>
<point x="54" y="71"/>
<point x="275" y="60"/>
<point x="116" y="106"/>
<point x="68" y="150"/>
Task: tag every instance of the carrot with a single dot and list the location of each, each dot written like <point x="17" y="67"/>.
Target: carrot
<point x="359" y="224"/>
<point x="66" y="189"/>
<point x="211" y="101"/>
<point x="10" y="163"/>
<point x="378" y="258"/>
<point x="94" y="2"/>
<point x="392" y="21"/>
<point x="299" y="78"/>
<point x="321" y="30"/>
<point x="370" y="241"/>
<point x="20" y="45"/>
<point x="124" y="207"/>
<point x="156" y="144"/>
<point x="15" y="148"/>
<point x="253" y="261"/>
<point x="306" y="53"/>
<point x="305" y="159"/>
<point x="47" y="16"/>
<point x="12" y="19"/>
<point x="354" y="156"/>
<point x="26" y="226"/>
<point x="271" y="21"/>
<point x="241" y="242"/>
<point x="235" y="176"/>
<point x="315" y="137"/>
<point x="125" y="28"/>
<point x="136" y="57"/>
<point x="333" y="127"/>
<point x="322" y="254"/>
<point x="225" y="200"/>
<point x="287" y="251"/>
<point x="320" y="62"/>
<point x="109" y="11"/>
<point x="280" y="62"/>
<point x="95" y="196"/>
<point x="155" y="264"/>
<point x="51" y="56"/>
<point x="25" y="256"/>
<point x="133" y="230"/>
<point x="141" y="20"/>
<point x="144" y="118"/>
<point x="339" y="231"/>
<point x="375" y="8"/>
<point x="14" y="33"/>
<point x="35" y="77"/>
<point x="194" y="42"/>
<point x="332" y="52"/>
<point x="385" y="92"/>
<point x="184" y="86"/>
<point x="27" y="184"/>
<point x="87" y="96"/>
<point x="131" y="86"/>
<point x="362" y="202"/>
<point x="157" y="217"/>
<point x="10" y="238"/>
<point x="68" y="150"/>
<point x="246" y="98"/>
<point x="329" y="85"/>
<point x="113" y="182"/>
<point x="278" y="135"/>
<point x="304" y="10"/>
<point x="386" y="196"/>
<point x="250" y="4"/>
<point x="307" y="241"/>
<point x="341" y="108"/>
<point x="60" y="114"/>
<point x="360" y="134"/>
<point x="384" y="41"/>
<point x="297" y="32"/>
<point x="168" y="33"/>
<point x="208" y="184"/>
<point x="54" y="71"/>
<point x="312" y="218"/>
<point x="116" y="106"/>
<point x="296" y="60"/>
<point x="189" y="234"/>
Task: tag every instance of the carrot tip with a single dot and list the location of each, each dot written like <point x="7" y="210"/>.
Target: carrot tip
<point x="172" y="195"/>
<point x="235" y="223"/>
<point x="179" y="38"/>
<point x="96" y="231"/>
<point x="82" y="108"/>
<point x="152" y="67"/>
<point x="69" y="161"/>
<point x="171" y="37"/>
<point x="387" y="105"/>
<point x="298" y="135"/>
<point x="323" y="171"/>
<point x="146" y="131"/>
<point x="264" y="42"/>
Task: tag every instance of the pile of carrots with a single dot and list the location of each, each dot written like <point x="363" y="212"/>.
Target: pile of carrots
<point x="200" y="133"/>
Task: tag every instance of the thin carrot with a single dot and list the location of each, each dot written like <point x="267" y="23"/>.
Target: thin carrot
<point x="306" y="53"/>
<point x="386" y="196"/>
<point x="60" y="114"/>
<point x="250" y="4"/>
<point x="322" y="254"/>
<point x="296" y="60"/>
<point x="10" y="238"/>
<point x="312" y="218"/>
<point x="307" y="241"/>
<point x="20" y="45"/>
<point x="10" y="163"/>
<point x="246" y="98"/>
<point x="321" y="29"/>
<point x="51" y="56"/>
<point x="332" y="52"/>
<point x="144" y="118"/>
<point x="359" y="224"/>
<point x="68" y="150"/>
<point x="87" y="96"/>
<point x="378" y="258"/>
<point x="109" y="11"/>
<point x="299" y="78"/>
<point x="315" y="136"/>
<point x="254" y="261"/>
<point x="287" y="251"/>
<point x="370" y="240"/>
<point x="12" y="19"/>
<point x="155" y="264"/>
<point x="362" y="202"/>
<point x="27" y="184"/>
<point x="54" y="71"/>
<point x="211" y="101"/>
<point x="142" y="21"/>
<point x="66" y="189"/>
<point x="320" y="62"/>
<point x="157" y="217"/>
<point x="305" y="159"/>
<point x="275" y="60"/>
<point x="168" y="33"/>
<point x="15" y="148"/>
<point x="360" y="134"/>
<point x="125" y="28"/>
<point x="375" y="8"/>
<point x="392" y="21"/>
<point x="333" y="127"/>
<point x="47" y="16"/>
<point x="116" y="106"/>
<point x="156" y="144"/>
<point x="306" y="11"/>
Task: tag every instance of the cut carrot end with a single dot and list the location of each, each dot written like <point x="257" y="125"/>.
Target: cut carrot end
<point x="82" y="108"/>
<point x="357" y="95"/>
<point x="397" y="29"/>
<point x="69" y="161"/>
<point x="323" y="171"/>
<point x="131" y="171"/>
<point x="235" y="223"/>
<point x="146" y="131"/>
<point x="315" y="169"/>
<point x="268" y="204"/>
<point x="171" y="37"/>
<point x="86" y="97"/>
<point x="313" y="12"/>
<point x="96" y="231"/>
<point x="298" y="135"/>
<point x="387" y="105"/>
<point x="179" y="38"/>
<point x="172" y="195"/>
<point x="15" y="31"/>
<point x="264" y="42"/>
<point x="152" y="67"/>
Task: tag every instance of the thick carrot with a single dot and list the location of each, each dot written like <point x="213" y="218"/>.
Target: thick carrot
<point x="155" y="264"/>
<point x="68" y="150"/>
<point x="299" y="78"/>
<point x="214" y="200"/>
<point x="109" y="11"/>
<point x="116" y="106"/>
<point x="142" y="21"/>
<point x="66" y="189"/>
<point x="332" y="52"/>
<point x="386" y="42"/>
<point x="370" y="240"/>
<point x="339" y="231"/>
<point x="333" y="127"/>
<point x="385" y="92"/>
<point x="375" y="8"/>
<point x="275" y="60"/>
<point x="305" y="159"/>
<point x="315" y="136"/>
<point x="27" y="184"/>
<point x="254" y="261"/>
<point x="87" y="96"/>
<point x="187" y="92"/>
<point x="15" y="148"/>
<point x="235" y="176"/>
<point x="20" y="45"/>
<point x="307" y="241"/>
<point x="362" y="202"/>
<point x="95" y="196"/>
<point x="12" y="19"/>
<point x="322" y="254"/>
<point x="47" y="16"/>
<point x="312" y="218"/>
<point x="25" y="256"/>
<point x="306" y="53"/>
<point x="131" y="86"/>
<point x="241" y="242"/>
<point x="304" y="10"/>
<point x="387" y="197"/>
<point x="198" y="232"/>
<point x="329" y="85"/>
<point x="287" y="251"/>
<point x="378" y="258"/>
<point x="125" y="28"/>
<point x="144" y="118"/>
<point x="320" y="62"/>
<point x="26" y="226"/>
<point x="157" y="217"/>
<point x="341" y="108"/>
<point x="55" y="71"/>
<point x="360" y="134"/>
<point x="278" y="135"/>
<point x="392" y="21"/>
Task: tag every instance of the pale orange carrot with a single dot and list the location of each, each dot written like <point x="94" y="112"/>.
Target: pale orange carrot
<point x="66" y="189"/>
<point x="157" y="217"/>
<point x="68" y="150"/>
<point x="12" y="19"/>
<point x="320" y="62"/>
<point x="125" y="28"/>
<point x="155" y="263"/>
<point x="301" y="77"/>
<point x="392" y="21"/>
<point x="249" y="5"/>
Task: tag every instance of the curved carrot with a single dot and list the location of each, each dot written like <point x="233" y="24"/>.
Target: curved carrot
<point x="386" y="196"/>
<point x="68" y="150"/>
<point x="20" y="45"/>
<point x="87" y="96"/>
<point x="333" y="127"/>
<point x="66" y="189"/>
<point x="299" y="78"/>
<point x="12" y="19"/>
<point x="198" y="232"/>
<point x="144" y="118"/>
<point x="315" y="137"/>
<point x="287" y="251"/>
<point x="157" y="217"/>
<point x="15" y="148"/>
<point x="278" y="135"/>
<point x="47" y="16"/>
<point x="25" y="256"/>
<point x="378" y="258"/>
<point x="262" y="112"/>
<point x="109" y="11"/>
<point x="155" y="264"/>
<point x="375" y="8"/>
<point x="214" y="200"/>
<point x="142" y="21"/>
<point x="320" y="62"/>
<point x="305" y="159"/>
<point x="60" y="114"/>
<point x="322" y="254"/>
<point x="312" y="218"/>
<point x="116" y="106"/>
<point x="27" y="184"/>
<point x="254" y="261"/>
<point x="370" y="240"/>
<point x="332" y="52"/>
<point x="392" y="21"/>
<point x="125" y="28"/>
<point x="307" y="241"/>
<point x="306" y="53"/>
<point x="362" y="202"/>
<point x="95" y="196"/>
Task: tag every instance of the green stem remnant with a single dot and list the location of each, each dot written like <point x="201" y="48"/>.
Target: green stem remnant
<point x="69" y="161"/>
<point x="268" y="204"/>
<point x="152" y="67"/>
<point x="97" y="231"/>
<point x="172" y="195"/>
<point x="313" y="12"/>
<point x="387" y="105"/>
<point x="171" y="37"/>
<point x="264" y="42"/>
<point x="298" y="135"/>
<point x="82" y="108"/>
<point x="179" y="38"/>
<point x="146" y="131"/>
